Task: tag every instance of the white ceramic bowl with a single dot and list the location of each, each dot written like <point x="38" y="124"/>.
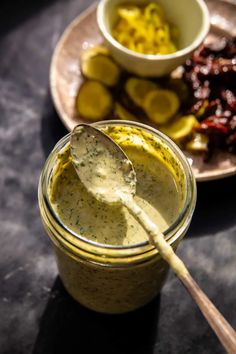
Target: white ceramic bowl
<point x="191" y="18"/>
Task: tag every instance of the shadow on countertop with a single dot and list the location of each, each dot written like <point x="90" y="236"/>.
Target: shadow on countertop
<point x="67" y="327"/>
<point x="52" y="129"/>
<point x="15" y="12"/>
<point x="216" y="209"/>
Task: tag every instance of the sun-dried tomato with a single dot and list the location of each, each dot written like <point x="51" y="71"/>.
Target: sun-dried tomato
<point x="211" y="75"/>
<point x="229" y="98"/>
<point x="211" y="126"/>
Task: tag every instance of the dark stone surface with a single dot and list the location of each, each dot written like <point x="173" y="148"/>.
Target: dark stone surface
<point x="36" y="314"/>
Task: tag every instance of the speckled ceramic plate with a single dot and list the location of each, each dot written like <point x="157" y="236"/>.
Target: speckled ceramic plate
<point x="65" y="75"/>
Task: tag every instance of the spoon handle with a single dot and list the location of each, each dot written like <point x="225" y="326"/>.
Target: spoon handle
<point x="218" y="323"/>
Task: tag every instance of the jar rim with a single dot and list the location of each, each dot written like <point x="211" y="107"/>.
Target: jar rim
<point x="185" y="213"/>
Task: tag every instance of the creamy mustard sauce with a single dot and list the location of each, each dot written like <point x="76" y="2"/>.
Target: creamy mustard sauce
<point x="156" y="193"/>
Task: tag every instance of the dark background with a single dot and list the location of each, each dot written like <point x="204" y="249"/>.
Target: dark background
<point x="36" y="314"/>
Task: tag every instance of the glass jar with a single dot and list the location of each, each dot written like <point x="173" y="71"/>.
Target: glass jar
<point x="116" y="279"/>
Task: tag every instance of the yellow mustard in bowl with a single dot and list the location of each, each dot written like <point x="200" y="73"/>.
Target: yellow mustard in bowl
<point x="145" y="29"/>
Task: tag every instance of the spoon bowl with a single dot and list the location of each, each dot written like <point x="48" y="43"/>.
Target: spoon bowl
<point x="102" y="165"/>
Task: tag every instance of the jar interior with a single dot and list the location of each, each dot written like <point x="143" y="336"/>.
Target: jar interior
<point x="153" y="156"/>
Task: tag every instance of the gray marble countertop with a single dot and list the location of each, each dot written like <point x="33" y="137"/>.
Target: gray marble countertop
<point x="36" y="314"/>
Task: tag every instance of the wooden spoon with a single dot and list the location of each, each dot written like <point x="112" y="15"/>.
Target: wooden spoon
<point x="108" y="174"/>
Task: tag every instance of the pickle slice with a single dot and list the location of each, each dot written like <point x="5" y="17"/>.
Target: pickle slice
<point x="179" y="87"/>
<point x="137" y="89"/>
<point x="199" y="143"/>
<point x="100" y="67"/>
<point x="180" y="128"/>
<point x="94" y="101"/>
<point x="93" y="51"/>
<point x="123" y="114"/>
<point x="161" y="105"/>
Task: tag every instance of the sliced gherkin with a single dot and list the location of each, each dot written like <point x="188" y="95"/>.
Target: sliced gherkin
<point x="97" y="64"/>
<point x="138" y="88"/>
<point x="198" y="143"/>
<point x="93" y="51"/>
<point x="161" y="105"/>
<point x="179" y="87"/>
<point x="180" y="128"/>
<point x="94" y="101"/>
<point x="122" y="113"/>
